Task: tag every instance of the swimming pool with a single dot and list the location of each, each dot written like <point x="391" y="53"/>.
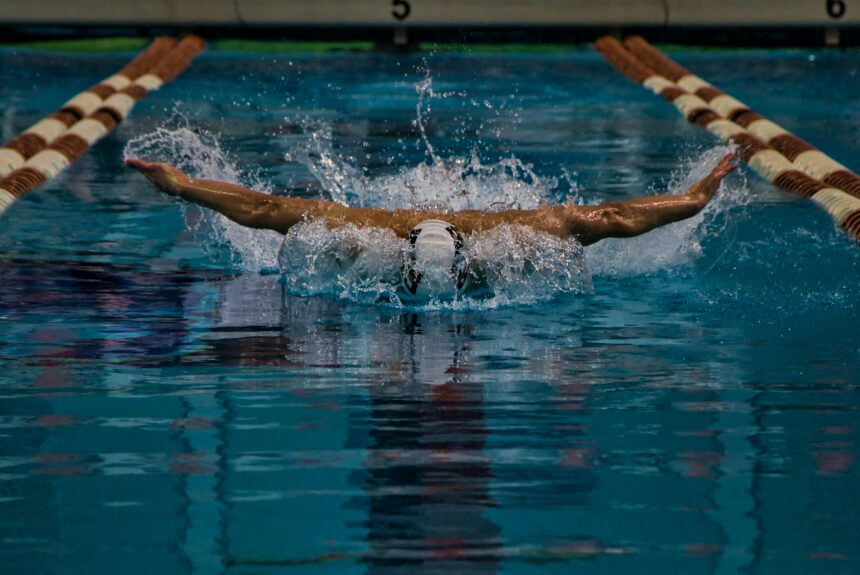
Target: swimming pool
<point x="686" y="402"/>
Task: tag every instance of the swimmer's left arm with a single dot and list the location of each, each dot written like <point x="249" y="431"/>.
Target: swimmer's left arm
<point x="631" y="218"/>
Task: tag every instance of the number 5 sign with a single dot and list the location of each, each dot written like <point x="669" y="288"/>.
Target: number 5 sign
<point x="401" y="9"/>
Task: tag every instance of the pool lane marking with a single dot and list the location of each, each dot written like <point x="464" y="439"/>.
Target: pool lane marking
<point x="37" y="137"/>
<point x="121" y="103"/>
<point x="85" y="103"/>
<point x="694" y="109"/>
<point x="843" y="208"/>
<point x="799" y="156"/>
<point x="49" y="163"/>
<point x="74" y="142"/>
<point x="762" y="158"/>
<point x="47" y="129"/>
<point x="149" y="82"/>
<point x="805" y="157"/>
<point x="9" y="160"/>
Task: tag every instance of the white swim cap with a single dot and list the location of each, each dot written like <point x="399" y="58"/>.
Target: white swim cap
<point x="434" y="263"/>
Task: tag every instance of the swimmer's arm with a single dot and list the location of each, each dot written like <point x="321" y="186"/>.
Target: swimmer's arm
<point x="631" y="218"/>
<point x="242" y="205"/>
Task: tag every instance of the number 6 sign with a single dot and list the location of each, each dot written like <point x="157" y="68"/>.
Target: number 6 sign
<point x="835" y="8"/>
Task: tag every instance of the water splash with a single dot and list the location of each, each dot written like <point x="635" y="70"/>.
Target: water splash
<point x="522" y="265"/>
<point x="200" y="154"/>
<point x="454" y="183"/>
<point x="361" y="264"/>
<point x="515" y="265"/>
<point x="679" y="244"/>
<point x="511" y="265"/>
<point x="446" y="184"/>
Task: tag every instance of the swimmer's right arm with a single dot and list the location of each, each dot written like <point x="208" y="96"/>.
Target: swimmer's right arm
<point x="240" y="204"/>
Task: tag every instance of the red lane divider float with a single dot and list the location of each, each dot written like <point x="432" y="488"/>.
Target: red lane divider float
<point x="92" y="115"/>
<point x="730" y="120"/>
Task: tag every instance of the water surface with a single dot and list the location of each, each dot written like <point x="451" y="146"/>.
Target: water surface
<point x="168" y="404"/>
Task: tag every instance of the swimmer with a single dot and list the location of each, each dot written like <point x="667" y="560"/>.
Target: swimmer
<point x="435" y="259"/>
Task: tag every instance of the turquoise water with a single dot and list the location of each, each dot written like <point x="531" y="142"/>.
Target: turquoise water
<point x="684" y="401"/>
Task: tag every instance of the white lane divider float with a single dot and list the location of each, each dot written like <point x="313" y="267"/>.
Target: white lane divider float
<point x="808" y="173"/>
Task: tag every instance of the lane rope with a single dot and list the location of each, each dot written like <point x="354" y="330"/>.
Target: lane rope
<point x="74" y="141"/>
<point x="760" y="156"/>
<point x="802" y="154"/>
<point x="37" y="137"/>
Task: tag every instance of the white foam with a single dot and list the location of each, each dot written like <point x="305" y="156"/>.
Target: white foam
<point x="522" y="265"/>
<point x="518" y="265"/>
<point x="361" y="264"/>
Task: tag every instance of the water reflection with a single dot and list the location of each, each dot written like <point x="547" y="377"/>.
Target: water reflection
<point x="425" y="481"/>
<point x="428" y="478"/>
<point x="404" y="442"/>
<point x="421" y="419"/>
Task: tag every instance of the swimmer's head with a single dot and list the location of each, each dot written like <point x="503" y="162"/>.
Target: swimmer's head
<point x="434" y="263"/>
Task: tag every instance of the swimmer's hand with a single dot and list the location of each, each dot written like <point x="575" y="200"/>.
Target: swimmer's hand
<point x="165" y="177"/>
<point x="705" y="189"/>
<point x="726" y="166"/>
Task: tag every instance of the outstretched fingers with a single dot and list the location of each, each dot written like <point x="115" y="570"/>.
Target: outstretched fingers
<point x="726" y="166"/>
<point x="708" y="186"/>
